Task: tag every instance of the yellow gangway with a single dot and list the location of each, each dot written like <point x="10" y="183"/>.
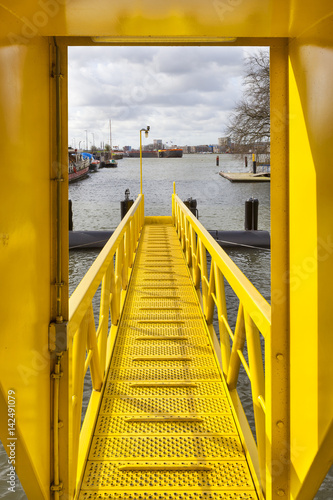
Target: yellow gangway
<point x="164" y="424"/>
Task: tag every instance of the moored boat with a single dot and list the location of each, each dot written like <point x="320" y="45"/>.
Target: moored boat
<point x="170" y="153"/>
<point x="78" y="166"/>
<point x="135" y="153"/>
<point x="117" y="155"/>
<point x="111" y="163"/>
<point x="93" y="162"/>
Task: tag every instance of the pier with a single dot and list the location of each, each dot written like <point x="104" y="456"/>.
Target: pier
<point x="245" y="177"/>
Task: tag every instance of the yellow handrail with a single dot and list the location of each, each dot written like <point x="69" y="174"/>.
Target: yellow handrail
<point x="253" y="319"/>
<point x="89" y="347"/>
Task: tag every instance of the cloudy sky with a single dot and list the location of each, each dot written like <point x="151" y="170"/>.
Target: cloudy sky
<point x="183" y="93"/>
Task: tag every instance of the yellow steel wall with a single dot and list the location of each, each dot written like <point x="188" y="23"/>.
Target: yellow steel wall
<point x="25" y="253"/>
<point x="311" y="244"/>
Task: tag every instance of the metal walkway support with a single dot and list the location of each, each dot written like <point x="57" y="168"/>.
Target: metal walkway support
<point x="165" y="428"/>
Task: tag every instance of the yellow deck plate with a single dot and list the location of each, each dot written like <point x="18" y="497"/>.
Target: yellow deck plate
<point x="165" y="430"/>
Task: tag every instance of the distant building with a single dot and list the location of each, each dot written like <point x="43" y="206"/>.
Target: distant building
<point x="158" y="144"/>
<point x="224" y="144"/>
<point x="127" y="148"/>
<point x="148" y="147"/>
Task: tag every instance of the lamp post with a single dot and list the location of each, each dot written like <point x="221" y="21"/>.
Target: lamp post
<point x="145" y="130"/>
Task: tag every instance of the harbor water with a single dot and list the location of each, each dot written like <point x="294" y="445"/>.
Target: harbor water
<point x="96" y="206"/>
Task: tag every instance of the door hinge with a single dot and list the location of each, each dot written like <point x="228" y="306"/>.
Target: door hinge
<point x="58" y="337"/>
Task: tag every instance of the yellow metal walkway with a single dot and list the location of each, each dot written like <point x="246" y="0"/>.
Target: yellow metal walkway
<point x="165" y="429"/>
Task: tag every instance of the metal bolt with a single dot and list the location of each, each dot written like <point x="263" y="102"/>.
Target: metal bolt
<point x="279" y="356"/>
<point x="280" y="424"/>
<point x="281" y="492"/>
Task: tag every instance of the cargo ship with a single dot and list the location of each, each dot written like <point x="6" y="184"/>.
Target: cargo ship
<point x="170" y="153"/>
<point x="135" y="153"/>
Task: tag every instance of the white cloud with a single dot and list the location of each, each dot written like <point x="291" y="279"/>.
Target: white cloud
<point x="183" y="93"/>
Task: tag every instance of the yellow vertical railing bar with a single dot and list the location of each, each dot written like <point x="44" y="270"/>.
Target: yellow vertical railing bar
<point x="142" y="212"/>
<point x="209" y="312"/>
<point x="114" y="303"/>
<point x="130" y="245"/>
<point x="203" y="270"/>
<point x="125" y="262"/>
<point x="104" y="317"/>
<point x="183" y="217"/>
<point x="258" y="389"/>
<point x="195" y="259"/>
<point x="95" y="368"/>
<point x="222" y="313"/>
<point x="134" y="240"/>
<point x="238" y="345"/>
<point x="177" y="220"/>
<point x="188" y="243"/>
<point x="182" y="230"/>
<point x="79" y="353"/>
<point x="118" y="280"/>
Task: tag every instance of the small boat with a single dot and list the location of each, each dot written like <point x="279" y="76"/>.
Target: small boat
<point x="93" y="163"/>
<point x="111" y="163"/>
<point x="117" y="155"/>
<point x="78" y="166"/>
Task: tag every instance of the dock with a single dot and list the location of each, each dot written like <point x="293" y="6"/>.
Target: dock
<point x="245" y="177"/>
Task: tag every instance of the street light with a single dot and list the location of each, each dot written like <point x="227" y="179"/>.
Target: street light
<point x="145" y="130"/>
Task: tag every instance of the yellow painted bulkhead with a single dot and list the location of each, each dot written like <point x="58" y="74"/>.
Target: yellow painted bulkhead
<point x="302" y="263"/>
<point x="26" y="254"/>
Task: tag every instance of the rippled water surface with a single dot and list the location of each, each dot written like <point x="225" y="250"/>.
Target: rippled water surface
<point x="96" y="205"/>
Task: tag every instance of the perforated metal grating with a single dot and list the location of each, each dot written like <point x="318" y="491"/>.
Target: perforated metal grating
<point x="175" y="495"/>
<point x="165" y="430"/>
<point x="145" y="425"/>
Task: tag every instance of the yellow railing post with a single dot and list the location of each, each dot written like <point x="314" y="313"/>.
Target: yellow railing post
<point x="79" y="354"/>
<point x="210" y="292"/>
<point x="203" y="271"/>
<point x="258" y="389"/>
<point x="237" y="348"/>
<point x="222" y="319"/>
<point x="95" y="366"/>
<point x="104" y="317"/>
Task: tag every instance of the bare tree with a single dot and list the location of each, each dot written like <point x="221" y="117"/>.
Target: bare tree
<point x="249" y="123"/>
